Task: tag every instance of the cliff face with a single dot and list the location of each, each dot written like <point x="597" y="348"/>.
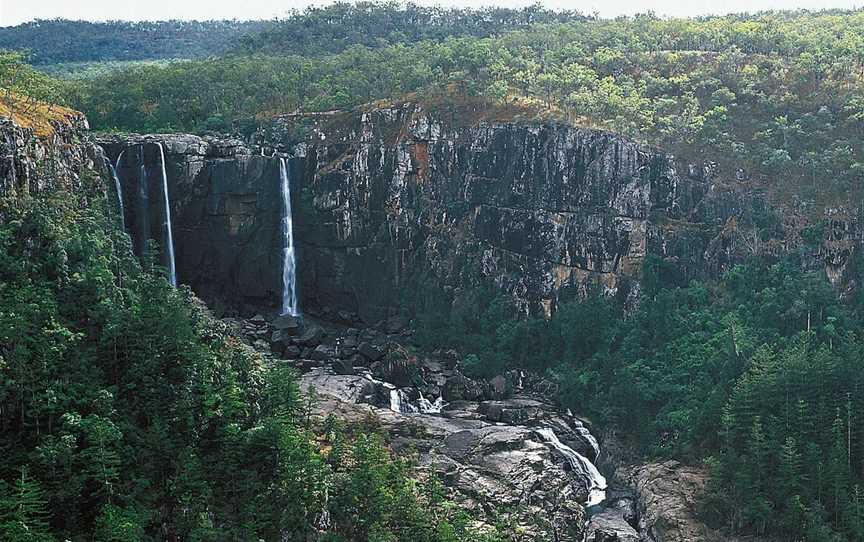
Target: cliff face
<point x="50" y="155"/>
<point x="401" y="202"/>
<point x="225" y="210"/>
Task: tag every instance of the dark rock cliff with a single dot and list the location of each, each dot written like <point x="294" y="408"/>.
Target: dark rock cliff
<point x="400" y="203"/>
<point x="57" y="159"/>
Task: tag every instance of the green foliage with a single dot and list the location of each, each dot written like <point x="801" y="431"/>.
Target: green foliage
<point x="320" y="30"/>
<point x="23" y="84"/>
<point x="60" y="41"/>
<point x="23" y="514"/>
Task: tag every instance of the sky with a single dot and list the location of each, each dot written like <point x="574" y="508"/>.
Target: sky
<point x="14" y="12"/>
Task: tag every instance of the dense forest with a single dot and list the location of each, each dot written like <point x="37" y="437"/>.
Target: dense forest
<point x="61" y="41"/>
<point x="755" y="374"/>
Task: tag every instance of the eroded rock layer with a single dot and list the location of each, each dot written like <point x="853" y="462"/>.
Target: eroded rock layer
<point x="398" y="204"/>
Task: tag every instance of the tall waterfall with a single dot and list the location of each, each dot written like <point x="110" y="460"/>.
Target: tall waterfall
<point x="118" y="189"/>
<point x="169" y="237"/>
<point x="289" y="263"/>
<point x="142" y="216"/>
<point x="580" y="464"/>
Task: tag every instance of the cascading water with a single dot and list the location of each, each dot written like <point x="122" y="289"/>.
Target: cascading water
<point x="169" y="237"/>
<point x="580" y="464"/>
<point x="396" y="400"/>
<point x="289" y="264"/>
<point x="428" y="407"/>
<point x="118" y="189"/>
<point x="142" y="217"/>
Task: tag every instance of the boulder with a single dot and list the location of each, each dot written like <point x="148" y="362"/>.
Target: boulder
<point x="610" y="526"/>
<point x="322" y="352"/>
<point x="399" y="371"/>
<point x="498" y="387"/>
<point x="312" y="336"/>
<point x="519" y="412"/>
<point x="668" y="498"/>
<point x="461" y="388"/>
<point x="292" y="325"/>
<point x="396" y="324"/>
<point x="343" y="367"/>
<point x="370" y="351"/>
<point x="280" y="338"/>
<point x="291" y="352"/>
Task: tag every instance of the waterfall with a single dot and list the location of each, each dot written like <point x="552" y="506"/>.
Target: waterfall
<point x="169" y="237"/>
<point x="395" y="401"/>
<point x="289" y="264"/>
<point x="580" y="464"/>
<point x="142" y="216"/>
<point x="118" y="189"/>
<point x="399" y="402"/>
<point x="428" y="407"/>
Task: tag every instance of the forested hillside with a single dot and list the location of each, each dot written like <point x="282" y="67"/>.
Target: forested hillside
<point x="61" y="41"/>
<point x="776" y="94"/>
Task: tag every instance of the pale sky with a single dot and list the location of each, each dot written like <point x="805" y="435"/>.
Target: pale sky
<point x="13" y="12"/>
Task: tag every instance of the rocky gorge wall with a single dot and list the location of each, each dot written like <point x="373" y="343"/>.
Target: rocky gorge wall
<point x="56" y="159"/>
<point x="400" y="203"/>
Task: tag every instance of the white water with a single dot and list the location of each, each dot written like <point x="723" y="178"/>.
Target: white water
<point x="399" y="402"/>
<point x="396" y="400"/>
<point x="142" y="222"/>
<point x="169" y="241"/>
<point x="118" y="189"/>
<point x="586" y="434"/>
<point x="428" y="407"/>
<point x="289" y="263"/>
<point x="579" y="463"/>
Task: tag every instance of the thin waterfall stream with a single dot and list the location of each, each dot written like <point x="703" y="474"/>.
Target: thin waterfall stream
<point x="289" y="263"/>
<point x="169" y="237"/>
<point x="118" y="188"/>
<point x="579" y="463"/>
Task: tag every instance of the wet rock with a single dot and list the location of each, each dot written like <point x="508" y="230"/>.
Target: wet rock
<point x="610" y="526"/>
<point x="343" y="367"/>
<point x="498" y="387"/>
<point x="291" y="325"/>
<point x="512" y="412"/>
<point x="291" y="352"/>
<point x="461" y="388"/>
<point x="323" y="352"/>
<point x="312" y="336"/>
<point x="370" y="351"/>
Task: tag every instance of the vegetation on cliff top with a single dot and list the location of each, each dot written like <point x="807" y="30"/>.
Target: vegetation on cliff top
<point x="30" y="98"/>
<point x="776" y="94"/>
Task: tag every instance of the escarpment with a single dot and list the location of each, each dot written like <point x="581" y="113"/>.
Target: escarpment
<point x="399" y="203"/>
<point x="47" y="154"/>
